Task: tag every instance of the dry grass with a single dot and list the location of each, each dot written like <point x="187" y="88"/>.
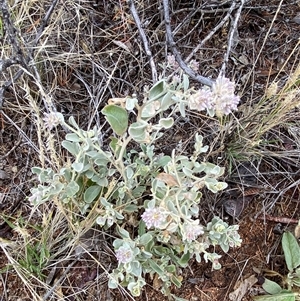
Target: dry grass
<point x="85" y="56"/>
<point x="278" y="107"/>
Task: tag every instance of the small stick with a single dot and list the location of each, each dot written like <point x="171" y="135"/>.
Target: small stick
<point x="59" y="281"/>
<point x="11" y="33"/>
<point x="144" y="39"/>
<point x="280" y="194"/>
<point x="201" y="44"/>
<point x="44" y="24"/>
<point x="14" y="41"/>
<point x="6" y="63"/>
<point x="232" y="34"/>
<point x="278" y="219"/>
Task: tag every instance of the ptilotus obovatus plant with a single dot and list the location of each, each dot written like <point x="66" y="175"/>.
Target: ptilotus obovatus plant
<point x="139" y="188"/>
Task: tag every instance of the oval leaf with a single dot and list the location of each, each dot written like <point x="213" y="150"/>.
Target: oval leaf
<point x="73" y="137"/>
<point x="73" y="148"/>
<point x="155" y="267"/>
<point x="291" y="251"/>
<point x="149" y="110"/>
<point x="158" y="90"/>
<point x="170" y="180"/>
<point x="271" y="287"/>
<point x="91" y="193"/>
<point x="73" y="122"/>
<point x="166" y="122"/>
<point x="117" y="117"/>
<point x="71" y="189"/>
<point x="167" y="101"/>
<point x="78" y="166"/>
<point x="146" y="238"/>
<point x="183" y="261"/>
<point x="138" y="131"/>
<point x="186" y="82"/>
<point x="131" y="103"/>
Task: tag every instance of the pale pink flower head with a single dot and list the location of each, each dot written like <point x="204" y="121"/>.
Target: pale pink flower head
<point x="53" y="119"/>
<point x="226" y="104"/>
<point x="201" y="100"/>
<point x="124" y="254"/>
<point x="172" y="63"/>
<point x="194" y="65"/>
<point x="192" y="231"/>
<point x="176" y="79"/>
<point x="223" y="86"/>
<point x="224" y="99"/>
<point x="154" y="217"/>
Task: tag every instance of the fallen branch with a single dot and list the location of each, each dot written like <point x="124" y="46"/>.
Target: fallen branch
<point x="199" y="78"/>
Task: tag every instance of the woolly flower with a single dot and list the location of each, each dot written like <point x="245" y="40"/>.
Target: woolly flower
<point x="154" y="217"/>
<point x="214" y="258"/>
<point x="172" y="63"/>
<point x="223" y="86"/>
<point x="176" y="79"/>
<point x="37" y="195"/>
<point x="216" y="265"/>
<point x="194" y="65"/>
<point x="192" y="231"/>
<point x="226" y="105"/>
<point x="124" y="254"/>
<point x="201" y="100"/>
<point x="53" y="119"/>
<point x="225" y="101"/>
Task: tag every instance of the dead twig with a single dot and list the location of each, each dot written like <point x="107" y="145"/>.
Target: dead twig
<point x="24" y="136"/>
<point x="199" y="78"/>
<point x="20" y="57"/>
<point x="214" y="30"/>
<point x="278" y="219"/>
<point x="264" y="42"/>
<point x="44" y="24"/>
<point x="11" y="33"/>
<point x="6" y="63"/>
<point x="280" y="194"/>
<point x="144" y="39"/>
<point x="189" y="16"/>
<point x="11" y="150"/>
<point x="232" y="38"/>
<point x="59" y="281"/>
